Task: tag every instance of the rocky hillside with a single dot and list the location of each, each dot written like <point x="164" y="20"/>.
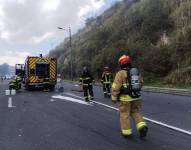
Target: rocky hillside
<point x="156" y="33"/>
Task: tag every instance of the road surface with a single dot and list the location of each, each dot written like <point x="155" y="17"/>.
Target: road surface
<point x="40" y="120"/>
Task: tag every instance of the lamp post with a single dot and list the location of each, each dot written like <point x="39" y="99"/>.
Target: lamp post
<point x="71" y="54"/>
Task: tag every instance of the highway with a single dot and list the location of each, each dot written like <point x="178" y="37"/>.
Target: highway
<point x="37" y="120"/>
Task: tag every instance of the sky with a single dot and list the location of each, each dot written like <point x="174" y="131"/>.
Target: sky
<point x="29" y="27"/>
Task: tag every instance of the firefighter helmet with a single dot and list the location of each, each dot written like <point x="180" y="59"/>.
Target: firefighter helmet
<point x="106" y="68"/>
<point x="125" y="59"/>
<point x="85" y="70"/>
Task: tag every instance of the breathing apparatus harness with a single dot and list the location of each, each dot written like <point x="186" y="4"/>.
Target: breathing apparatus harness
<point x="132" y="87"/>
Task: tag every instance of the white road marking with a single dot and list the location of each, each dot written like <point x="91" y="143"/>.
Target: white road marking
<point x="10" y="102"/>
<point x="147" y="119"/>
<point x="168" y="126"/>
<point x="70" y="99"/>
<point x="76" y="85"/>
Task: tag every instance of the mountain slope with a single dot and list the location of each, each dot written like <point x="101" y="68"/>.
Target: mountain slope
<point x="155" y="33"/>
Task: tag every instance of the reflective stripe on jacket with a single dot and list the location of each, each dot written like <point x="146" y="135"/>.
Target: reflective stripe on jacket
<point x="107" y="78"/>
<point x="86" y="80"/>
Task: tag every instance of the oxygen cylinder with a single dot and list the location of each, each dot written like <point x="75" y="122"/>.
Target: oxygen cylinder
<point x="135" y="81"/>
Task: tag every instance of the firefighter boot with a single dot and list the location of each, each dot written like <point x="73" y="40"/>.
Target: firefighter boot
<point x="127" y="133"/>
<point x="91" y="98"/>
<point x="86" y="99"/>
<point x="143" y="132"/>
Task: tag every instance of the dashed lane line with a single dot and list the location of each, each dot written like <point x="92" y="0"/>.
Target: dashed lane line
<point x="10" y="102"/>
<point x="147" y="119"/>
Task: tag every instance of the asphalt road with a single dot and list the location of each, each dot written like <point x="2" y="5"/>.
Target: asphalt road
<point x="58" y="121"/>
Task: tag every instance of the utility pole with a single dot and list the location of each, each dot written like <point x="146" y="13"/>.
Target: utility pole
<point x="71" y="52"/>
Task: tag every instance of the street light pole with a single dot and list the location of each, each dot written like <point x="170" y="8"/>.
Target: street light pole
<point x="71" y="54"/>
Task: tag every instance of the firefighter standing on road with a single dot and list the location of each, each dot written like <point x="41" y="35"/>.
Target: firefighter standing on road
<point x="15" y="84"/>
<point x="86" y="81"/>
<point x="129" y="105"/>
<point x="106" y="81"/>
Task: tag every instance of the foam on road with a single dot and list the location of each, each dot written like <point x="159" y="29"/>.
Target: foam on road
<point x="70" y="99"/>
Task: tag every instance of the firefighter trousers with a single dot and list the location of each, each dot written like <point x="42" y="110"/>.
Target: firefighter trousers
<point x="128" y="110"/>
<point x="107" y="89"/>
<point x="88" y="92"/>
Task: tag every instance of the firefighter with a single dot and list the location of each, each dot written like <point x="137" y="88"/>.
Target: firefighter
<point x="106" y="81"/>
<point x="86" y="81"/>
<point x="15" y="84"/>
<point x="129" y="105"/>
<point x="18" y="81"/>
<point x="12" y="85"/>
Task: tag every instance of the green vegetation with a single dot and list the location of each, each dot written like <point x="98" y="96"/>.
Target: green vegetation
<point x="155" y="33"/>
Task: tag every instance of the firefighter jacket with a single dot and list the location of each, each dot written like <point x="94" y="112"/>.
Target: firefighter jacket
<point x="120" y="87"/>
<point x="12" y="83"/>
<point x="107" y="78"/>
<point x="18" y="79"/>
<point x="86" y="79"/>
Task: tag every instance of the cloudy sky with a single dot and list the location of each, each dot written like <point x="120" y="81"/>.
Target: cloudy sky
<point x="29" y="27"/>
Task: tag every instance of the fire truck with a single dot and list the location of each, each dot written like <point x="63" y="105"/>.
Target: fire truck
<point x="20" y="70"/>
<point x="40" y="72"/>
